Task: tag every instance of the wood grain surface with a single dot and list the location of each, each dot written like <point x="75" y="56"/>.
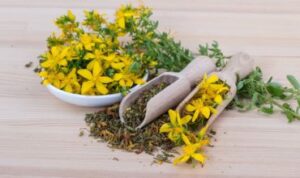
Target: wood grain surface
<point x="39" y="134"/>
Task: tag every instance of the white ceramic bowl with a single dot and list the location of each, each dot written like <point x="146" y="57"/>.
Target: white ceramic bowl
<point x="89" y="101"/>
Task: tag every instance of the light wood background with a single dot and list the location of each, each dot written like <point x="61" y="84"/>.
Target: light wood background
<point x="39" y="133"/>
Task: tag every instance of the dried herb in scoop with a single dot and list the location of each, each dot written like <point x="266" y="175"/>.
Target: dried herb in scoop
<point x="135" y="114"/>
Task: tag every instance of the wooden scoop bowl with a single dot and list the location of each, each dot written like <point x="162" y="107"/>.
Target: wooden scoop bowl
<point x="179" y="86"/>
<point x="239" y="65"/>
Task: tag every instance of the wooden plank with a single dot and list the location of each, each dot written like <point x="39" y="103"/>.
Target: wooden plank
<point x="256" y="33"/>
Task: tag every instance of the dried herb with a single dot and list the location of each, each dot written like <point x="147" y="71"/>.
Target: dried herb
<point x="135" y="114"/>
<point x="162" y="157"/>
<point x="107" y="126"/>
<point x="29" y="64"/>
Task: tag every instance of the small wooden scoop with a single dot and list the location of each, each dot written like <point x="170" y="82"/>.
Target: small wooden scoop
<point x="179" y="86"/>
<point x="239" y="65"/>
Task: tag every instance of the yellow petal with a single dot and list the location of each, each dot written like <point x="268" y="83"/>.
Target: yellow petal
<point x="90" y="65"/>
<point x="85" y="73"/>
<point x="205" y="111"/>
<point x="118" y="76"/>
<point x="71" y="15"/>
<point x="56" y="83"/>
<point x="68" y="88"/>
<point x="178" y="118"/>
<point x="203" y="131"/>
<point x="89" y="56"/>
<point x="118" y="66"/>
<point x="86" y="87"/>
<point x="186" y="119"/>
<point x="121" y="22"/>
<point x="165" y="128"/>
<point x="172" y="116"/>
<point x="129" y="83"/>
<point x="195" y="116"/>
<point x="46" y="82"/>
<point x="55" y="50"/>
<point x="43" y="74"/>
<point x="96" y="69"/>
<point x="213" y="110"/>
<point x="139" y="81"/>
<point x="122" y="83"/>
<point x="105" y="79"/>
<point x="63" y="62"/>
<point x="185" y="139"/>
<point x="218" y="99"/>
<point x="101" y="88"/>
<point x="203" y="142"/>
<point x="181" y="159"/>
<point x="223" y="89"/>
<point x="213" y="78"/>
<point x="190" y="108"/>
<point x="199" y="157"/>
<point x="46" y="63"/>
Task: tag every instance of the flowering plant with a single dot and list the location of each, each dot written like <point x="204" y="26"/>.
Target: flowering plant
<point x="90" y="57"/>
<point x="185" y="130"/>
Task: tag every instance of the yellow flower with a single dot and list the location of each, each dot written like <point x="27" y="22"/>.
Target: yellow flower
<point x="95" y="79"/>
<point x="206" y="81"/>
<point x="70" y="83"/>
<point x="212" y="90"/>
<point x="175" y="127"/>
<point x="97" y="56"/>
<point x="127" y="79"/>
<point x="87" y="41"/>
<point x="199" y="108"/>
<point x="56" y="56"/>
<point x="52" y="78"/>
<point x="71" y="15"/>
<point x="123" y="13"/>
<point x="190" y="151"/>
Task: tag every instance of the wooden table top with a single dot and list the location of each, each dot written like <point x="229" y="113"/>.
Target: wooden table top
<point x="39" y="133"/>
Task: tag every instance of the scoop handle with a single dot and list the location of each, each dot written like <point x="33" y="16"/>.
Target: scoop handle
<point x="197" y="68"/>
<point x="240" y="64"/>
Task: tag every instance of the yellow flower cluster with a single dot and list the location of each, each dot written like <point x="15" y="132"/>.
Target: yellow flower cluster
<point x="210" y="94"/>
<point x="88" y="58"/>
<point x="185" y="130"/>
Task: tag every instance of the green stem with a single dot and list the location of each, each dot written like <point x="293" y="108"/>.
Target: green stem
<point x="297" y="116"/>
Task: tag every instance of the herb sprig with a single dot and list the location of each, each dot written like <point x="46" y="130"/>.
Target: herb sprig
<point x="213" y="51"/>
<point x="254" y="92"/>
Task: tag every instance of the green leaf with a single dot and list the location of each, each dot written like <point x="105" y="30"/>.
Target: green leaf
<point x="135" y="67"/>
<point x="275" y="89"/>
<point x="240" y="85"/>
<point x="293" y="81"/>
<point x="288" y="111"/>
<point x="267" y="110"/>
<point x="298" y="100"/>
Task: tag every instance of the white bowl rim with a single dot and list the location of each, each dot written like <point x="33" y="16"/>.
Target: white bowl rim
<point x="95" y="96"/>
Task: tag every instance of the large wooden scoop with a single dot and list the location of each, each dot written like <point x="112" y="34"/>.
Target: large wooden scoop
<point x="179" y="86"/>
<point x="239" y="65"/>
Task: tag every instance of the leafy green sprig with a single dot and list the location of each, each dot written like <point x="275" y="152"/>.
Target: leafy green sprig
<point x="254" y="92"/>
<point x="267" y="96"/>
<point x="213" y="51"/>
<point x="156" y="46"/>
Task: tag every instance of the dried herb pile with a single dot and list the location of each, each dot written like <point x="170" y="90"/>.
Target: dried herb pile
<point x="106" y="125"/>
<point x="135" y="114"/>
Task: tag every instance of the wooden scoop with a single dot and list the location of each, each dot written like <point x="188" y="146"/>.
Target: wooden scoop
<point x="239" y="65"/>
<point x="179" y="86"/>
